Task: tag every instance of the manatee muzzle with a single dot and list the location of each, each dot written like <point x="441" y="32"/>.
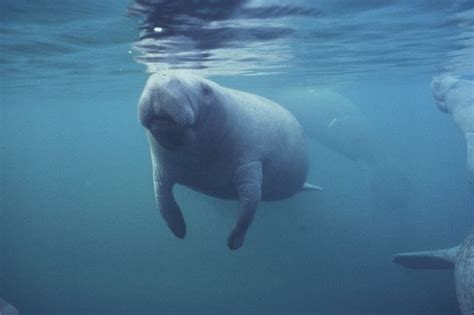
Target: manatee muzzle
<point x="167" y="132"/>
<point x="169" y="116"/>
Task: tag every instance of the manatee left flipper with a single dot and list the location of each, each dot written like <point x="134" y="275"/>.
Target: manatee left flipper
<point x="163" y="188"/>
<point x="247" y="181"/>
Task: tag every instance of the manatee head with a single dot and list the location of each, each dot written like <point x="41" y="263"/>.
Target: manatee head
<point x="440" y="85"/>
<point x="170" y="106"/>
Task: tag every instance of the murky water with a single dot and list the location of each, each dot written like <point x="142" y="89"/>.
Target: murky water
<point x="80" y="231"/>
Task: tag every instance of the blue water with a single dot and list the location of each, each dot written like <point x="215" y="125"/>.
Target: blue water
<point x="80" y="232"/>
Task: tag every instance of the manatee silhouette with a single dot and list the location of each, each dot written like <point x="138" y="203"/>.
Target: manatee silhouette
<point x="456" y="96"/>
<point x="221" y="142"/>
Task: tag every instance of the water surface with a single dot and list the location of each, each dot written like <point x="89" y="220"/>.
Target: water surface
<point x="80" y="231"/>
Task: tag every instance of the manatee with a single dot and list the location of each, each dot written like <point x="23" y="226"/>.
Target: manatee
<point x="333" y="120"/>
<point x="7" y="309"/>
<point x="459" y="258"/>
<point x="336" y="122"/>
<point x="456" y="97"/>
<point x="220" y="142"/>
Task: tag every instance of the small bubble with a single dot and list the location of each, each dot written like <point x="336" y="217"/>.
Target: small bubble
<point x="158" y="29"/>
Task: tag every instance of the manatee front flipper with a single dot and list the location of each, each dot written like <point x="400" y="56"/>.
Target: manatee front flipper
<point x="436" y="259"/>
<point x="163" y="187"/>
<point x="308" y="187"/>
<point x="169" y="209"/>
<point x="247" y="181"/>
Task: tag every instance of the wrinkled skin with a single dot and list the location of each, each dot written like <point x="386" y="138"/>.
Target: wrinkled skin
<point x="220" y="142"/>
<point x="456" y="97"/>
<point x="464" y="275"/>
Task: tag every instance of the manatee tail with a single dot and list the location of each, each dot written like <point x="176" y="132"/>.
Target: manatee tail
<point x="307" y="187"/>
<point x="436" y="259"/>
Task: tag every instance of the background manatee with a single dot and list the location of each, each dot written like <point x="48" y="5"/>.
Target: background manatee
<point x="337" y="123"/>
<point x="456" y="97"/>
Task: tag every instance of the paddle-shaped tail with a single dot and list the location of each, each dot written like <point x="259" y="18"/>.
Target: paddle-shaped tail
<point x="436" y="259"/>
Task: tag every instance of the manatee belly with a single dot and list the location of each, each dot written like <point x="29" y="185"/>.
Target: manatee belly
<point x="285" y="176"/>
<point x="284" y="173"/>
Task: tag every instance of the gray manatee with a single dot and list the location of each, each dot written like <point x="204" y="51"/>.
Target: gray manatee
<point x="221" y="142"/>
<point x="7" y="309"/>
<point x="456" y="96"/>
<point x="333" y="120"/>
<point x="461" y="258"/>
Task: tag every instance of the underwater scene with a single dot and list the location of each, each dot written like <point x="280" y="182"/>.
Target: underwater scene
<point x="236" y="157"/>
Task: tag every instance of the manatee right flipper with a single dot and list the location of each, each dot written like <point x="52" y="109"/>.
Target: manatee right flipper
<point x="436" y="259"/>
<point x="163" y="188"/>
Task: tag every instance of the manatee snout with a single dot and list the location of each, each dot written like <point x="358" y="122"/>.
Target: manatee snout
<point x="167" y="113"/>
<point x="169" y="137"/>
<point x="164" y="110"/>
